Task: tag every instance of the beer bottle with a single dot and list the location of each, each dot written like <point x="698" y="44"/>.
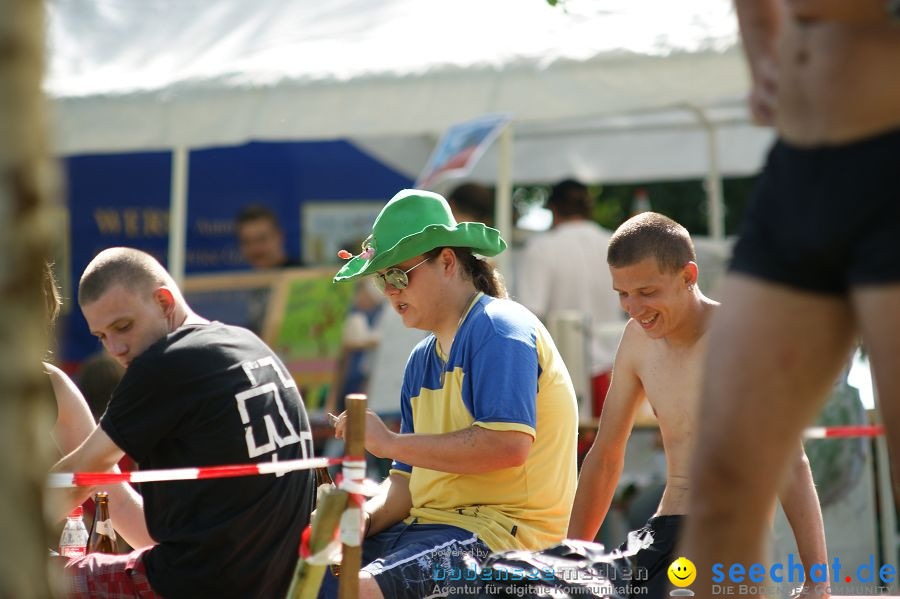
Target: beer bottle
<point x="323" y="477"/>
<point x="103" y="535"/>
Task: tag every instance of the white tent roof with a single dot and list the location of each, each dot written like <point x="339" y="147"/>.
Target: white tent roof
<point x="663" y="144"/>
<point x="393" y="74"/>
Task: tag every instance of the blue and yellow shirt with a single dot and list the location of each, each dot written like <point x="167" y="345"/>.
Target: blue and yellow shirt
<point x="503" y="373"/>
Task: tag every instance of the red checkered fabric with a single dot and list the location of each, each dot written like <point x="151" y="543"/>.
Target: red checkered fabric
<point x="108" y="576"/>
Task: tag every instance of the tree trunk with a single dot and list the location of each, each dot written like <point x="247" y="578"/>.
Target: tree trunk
<point x="27" y="183"/>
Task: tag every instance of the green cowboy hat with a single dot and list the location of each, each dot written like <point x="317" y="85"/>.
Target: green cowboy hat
<point x="412" y="223"/>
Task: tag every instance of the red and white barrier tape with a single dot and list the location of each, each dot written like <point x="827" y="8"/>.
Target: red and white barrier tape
<point x="355" y="468"/>
<point x="853" y="430"/>
<point x="61" y="480"/>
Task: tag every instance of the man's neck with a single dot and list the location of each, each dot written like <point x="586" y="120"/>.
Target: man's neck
<point x="182" y="316"/>
<point x="563" y="220"/>
<point x="695" y="324"/>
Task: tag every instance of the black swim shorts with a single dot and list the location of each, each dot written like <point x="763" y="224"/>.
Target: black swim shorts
<point x="825" y="219"/>
<point x="648" y="552"/>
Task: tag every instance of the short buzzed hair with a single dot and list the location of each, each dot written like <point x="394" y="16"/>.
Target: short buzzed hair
<point x="135" y="270"/>
<point x="651" y="234"/>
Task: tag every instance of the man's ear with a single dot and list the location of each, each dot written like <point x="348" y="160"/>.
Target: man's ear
<point x="691" y="273"/>
<point x="165" y="299"/>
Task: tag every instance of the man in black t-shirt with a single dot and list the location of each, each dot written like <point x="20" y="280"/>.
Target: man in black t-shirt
<point x="195" y="393"/>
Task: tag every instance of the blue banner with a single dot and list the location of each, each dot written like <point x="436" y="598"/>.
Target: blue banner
<point x="123" y="199"/>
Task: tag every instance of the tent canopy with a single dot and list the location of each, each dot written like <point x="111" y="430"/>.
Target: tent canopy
<point x="606" y="91"/>
<point x="392" y="75"/>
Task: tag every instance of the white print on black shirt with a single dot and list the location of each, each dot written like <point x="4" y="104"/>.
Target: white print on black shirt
<point x="274" y="439"/>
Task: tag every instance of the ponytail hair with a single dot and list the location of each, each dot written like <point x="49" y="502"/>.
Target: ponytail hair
<point x="482" y="273"/>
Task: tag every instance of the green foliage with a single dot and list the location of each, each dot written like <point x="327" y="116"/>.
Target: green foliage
<point x="683" y="201"/>
<point x="737" y="197"/>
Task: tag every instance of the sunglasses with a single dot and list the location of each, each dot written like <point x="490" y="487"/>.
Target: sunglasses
<point x="395" y="277"/>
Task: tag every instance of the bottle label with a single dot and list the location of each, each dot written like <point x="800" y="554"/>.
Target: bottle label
<point x="72" y="551"/>
<point x="105" y="527"/>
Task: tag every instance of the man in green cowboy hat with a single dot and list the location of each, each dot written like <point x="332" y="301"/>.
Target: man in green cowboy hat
<point x="485" y="457"/>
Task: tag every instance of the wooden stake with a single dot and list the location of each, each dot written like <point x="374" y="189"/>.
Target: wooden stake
<point x="354" y="447"/>
<point x="307" y="577"/>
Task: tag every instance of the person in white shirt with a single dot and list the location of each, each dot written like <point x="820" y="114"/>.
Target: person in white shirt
<point x="565" y="270"/>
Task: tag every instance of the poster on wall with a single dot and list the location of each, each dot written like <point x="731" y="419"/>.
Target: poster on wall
<point x="460" y="148"/>
<point x="298" y="312"/>
<point x="329" y="226"/>
<point x="308" y="336"/>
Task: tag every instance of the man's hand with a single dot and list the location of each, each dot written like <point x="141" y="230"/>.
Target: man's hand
<point x="854" y="12"/>
<point x="760" y="23"/>
<point x="378" y="437"/>
<point x="764" y="92"/>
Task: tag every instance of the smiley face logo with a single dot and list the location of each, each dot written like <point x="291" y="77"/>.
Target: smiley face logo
<point x="682" y="572"/>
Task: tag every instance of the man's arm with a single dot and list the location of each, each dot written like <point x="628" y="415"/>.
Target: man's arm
<point x="73" y="425"/>
<point x="97" y="454"/>
<point x="603" y="463"/>
<point x="74" y="421"/>
<point x="801" y="507"/>
<point x="760" y="23"/>
<point x="385" y="510"/>
<point x="471" y="450"/>
<point x="126" y="508"/>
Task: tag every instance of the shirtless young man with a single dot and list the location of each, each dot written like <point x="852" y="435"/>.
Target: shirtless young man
<point x="817" y="263"/>
<point x="660" y="357"/>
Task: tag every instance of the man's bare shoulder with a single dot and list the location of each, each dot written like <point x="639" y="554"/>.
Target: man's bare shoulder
<point x="632" y="346"/>
<point x="59" y="379"/>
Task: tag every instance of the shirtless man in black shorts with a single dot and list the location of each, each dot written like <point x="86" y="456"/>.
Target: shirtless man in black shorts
<point x="660" y="357"/>
<point x="817" y="264"/>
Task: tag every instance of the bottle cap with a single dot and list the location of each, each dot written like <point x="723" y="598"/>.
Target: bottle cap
<point x="78" y="512"/>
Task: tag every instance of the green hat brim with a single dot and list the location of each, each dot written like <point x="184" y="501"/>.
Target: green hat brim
<point x="482" y="239"/>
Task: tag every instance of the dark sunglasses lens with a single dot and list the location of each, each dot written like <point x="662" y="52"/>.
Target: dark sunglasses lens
<point x="396" y="278"/>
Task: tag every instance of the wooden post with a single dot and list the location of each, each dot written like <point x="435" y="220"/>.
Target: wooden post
<point x="354" y="448"/>
<point x="28" y="184"/>
<point x="308" y="577"/>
